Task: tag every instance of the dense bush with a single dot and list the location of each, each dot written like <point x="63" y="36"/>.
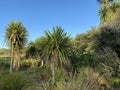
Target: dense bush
<point x="25" y="64"/>
<point x="82" y="59"/>
<point x="14" y="81"/>
<point x="109" y="36"/>
<point x="4" y="64"/>
<point x="43" y="73"/>
<point x="115" y="82"/>
<point x="87" y="79"/>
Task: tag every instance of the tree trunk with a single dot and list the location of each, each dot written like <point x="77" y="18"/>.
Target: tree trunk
<point x="18" y="58"/>
<point x="12" y="58"/>
<point x="52" y="66"/>
<point x="42" y="63"/>
<point x="16" y="63"/>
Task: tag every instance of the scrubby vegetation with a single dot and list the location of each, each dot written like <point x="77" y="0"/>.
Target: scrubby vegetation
<point x="55" y="61"/>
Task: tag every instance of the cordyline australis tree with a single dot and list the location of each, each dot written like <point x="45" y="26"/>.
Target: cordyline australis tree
<point x="105" y="2"/>
<point x="107" y="10"/>
<point x="16" y="38"/>
<point x="55" y="46"/>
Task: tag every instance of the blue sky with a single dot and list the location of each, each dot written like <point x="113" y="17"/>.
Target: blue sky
<point x="74" y="16"/>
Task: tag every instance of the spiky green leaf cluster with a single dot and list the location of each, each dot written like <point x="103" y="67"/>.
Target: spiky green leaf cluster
<point x="16" y="33"/>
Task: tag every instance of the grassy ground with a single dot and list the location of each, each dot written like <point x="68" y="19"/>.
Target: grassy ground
<point x="32" y="77"/>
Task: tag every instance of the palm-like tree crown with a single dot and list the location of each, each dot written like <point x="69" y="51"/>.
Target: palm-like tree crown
<point x="114" y="7"/>
<point x="104" y="1"/>
<point x="103" y="14"/>
<point x="56" y="44"/>
<point x="16" y="33"/>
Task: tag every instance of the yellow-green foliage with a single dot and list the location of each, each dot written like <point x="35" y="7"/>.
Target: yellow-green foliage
<point x="108" y="13"/>
<point x="14" y="81"/>
<point x="4" y="52"/>
<point x="115" y="82"/>
<point x="87" y="79"/>
<point x="28" y="63"/>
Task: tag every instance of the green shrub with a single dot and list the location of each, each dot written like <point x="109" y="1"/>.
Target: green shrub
<point x="43" y="73"/>
<point x="4" y="64"/>
<point x="58" y="84"/>
<point x="25" y="64"/>
<point x="40" y="74"/>
<point x="83" y="59"/>
<point x="14" y="81"/>
<point x="87" y="79"/>
<point x="115" y="82"/>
